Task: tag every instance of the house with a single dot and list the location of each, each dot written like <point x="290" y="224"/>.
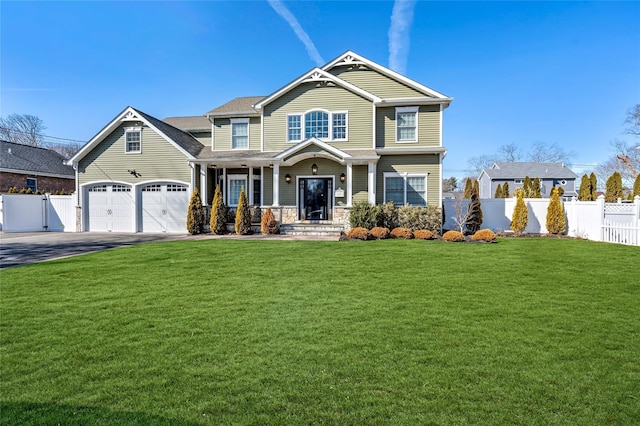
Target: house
<point x="514" y="173"/>
<point x="349" y="131"/>
<point x="30" y="167"/>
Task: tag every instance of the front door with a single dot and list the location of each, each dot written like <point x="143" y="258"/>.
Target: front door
<point x="315" y="198"/>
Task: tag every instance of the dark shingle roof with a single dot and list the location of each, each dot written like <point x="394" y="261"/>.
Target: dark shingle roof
<point x="192" y="123"/>
<point x="184" y="140"/>
<point x="237" y="107"/>
<point x="15" y="156"/>
<point x="520" y="170"/>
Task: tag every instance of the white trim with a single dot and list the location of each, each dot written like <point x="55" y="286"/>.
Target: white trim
<point x="416" y="111"/>
<point x="203" y="184"/>
<point x="228" y="183"/>
<point x="349" y="184"/>
<point x="276" y="185"/>
<point x="373" y="130"/>
<point x="132" y="130"/>
<point x="303" y="127"/>
<point x="371" y="182"/>
<point x="404" y="176"/>
<point x="313" y="141"/>
<point x="233" y="121"/>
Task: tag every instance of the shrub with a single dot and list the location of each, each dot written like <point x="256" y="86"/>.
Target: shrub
<point x="484" y="235"/>
<point x="584" y="194"/>
<point x="380" y="233"/>
<point x="195" y="214"/>
<point x="498" y="193"/>
<point x="243" y="215"/>
<point x="359" y="233"/>
<point x="474" y="213"/>
<point x="636" y="186"/>
<point x="520" y="215"/>
<point x="536" y="189"/>
<point x="453" y="236"/>
<point x="614" y="188"/>
<point x="13" y="190"/>
<point x="594" y="186"/>
<point x="256" y="214"/>
<point x="363" y="215"/>
<point x="468" y="188"/>
<point x="556" y="221"/>
<point x="505" y="190"/>
<point x="218" y="220"/>
<point x="415" y="218"/>
<point x="269" y="224"/>
<point x="423" y="234"/>
<point x="402" y="233"/>
<point x="388" y="215"/>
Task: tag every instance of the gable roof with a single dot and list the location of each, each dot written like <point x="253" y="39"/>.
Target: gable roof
<point x="16" y="157"/>
<point x="197" y="123"/>
<point x="184" y="142"/>
<point x="519" y="170"/>
<point x="238" y="107"/>
<point x="316" y="75"/>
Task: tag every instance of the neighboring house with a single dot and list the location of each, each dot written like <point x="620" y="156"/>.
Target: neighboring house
<point x="514" y="173"/>
<point x="350" y="131"/>
<point x="30" y="167"/>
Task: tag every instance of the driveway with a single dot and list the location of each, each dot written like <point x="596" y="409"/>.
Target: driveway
<point x="24" y="248"/>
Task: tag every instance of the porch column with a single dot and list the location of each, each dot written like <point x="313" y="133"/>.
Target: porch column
<point x="349" y="184"/>
<point x="203" y="183"/>
<point x="371" y="188"/>
<point x="250" y="187"/>
<point x="193" y="177"/>
<point x="225" y="196"/>
<point x="276" y="185"/>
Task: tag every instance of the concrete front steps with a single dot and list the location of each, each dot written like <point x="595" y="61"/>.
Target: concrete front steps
<point x="312" y="230"/>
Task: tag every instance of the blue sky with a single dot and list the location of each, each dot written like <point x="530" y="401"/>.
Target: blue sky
<point x="519" y="72"/>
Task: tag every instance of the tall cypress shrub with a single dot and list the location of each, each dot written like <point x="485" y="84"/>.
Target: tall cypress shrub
<point x="243" y="215"/>
<point x="520" y="216"/>
<point x="584" y="194"/>
<point x="556" y="220"/>
<point x="505" y="190"/>
<point x="636" y="186"/>
<point x="195" y="214"/>
<point x="536" y="189"/>
<point x="474" y="213"/>
<point x="468" y="188"/>
<point x="526" y="188"/>
<point x="498" y="193"/>
<point x="594" y="186"/>
<point x="218" y="220"/>
<point x="613" y="188"/>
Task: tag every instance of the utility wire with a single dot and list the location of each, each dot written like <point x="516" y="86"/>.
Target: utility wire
<point x="8" y="129"/>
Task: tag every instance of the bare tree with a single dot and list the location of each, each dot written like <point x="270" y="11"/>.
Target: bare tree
<point x="66" y="150"/>
<point x="478" y="164"/>
<point x="449" y="184"/>
<point x="510" y="153"/>
<point x="22" y="128"/>
<point x="633" y="120"/>
<point x="542" y="152"/>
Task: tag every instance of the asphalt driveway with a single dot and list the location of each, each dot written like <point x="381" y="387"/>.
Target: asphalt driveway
<point x="24" y="248"/>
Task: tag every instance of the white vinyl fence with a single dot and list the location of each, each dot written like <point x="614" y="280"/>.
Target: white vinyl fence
<point x="35" y="213"/>
<point x="593" y="220"/>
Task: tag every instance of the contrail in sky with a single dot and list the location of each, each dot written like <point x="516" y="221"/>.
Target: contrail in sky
<point x="282" y="10"/>
<point x="401" y="20"/>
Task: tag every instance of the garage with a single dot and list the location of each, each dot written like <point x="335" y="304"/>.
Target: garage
<point x="164" y="207"/>
<point x="110" y="208"/>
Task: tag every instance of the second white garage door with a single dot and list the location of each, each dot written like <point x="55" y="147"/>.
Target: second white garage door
<point x="164" y="207"/>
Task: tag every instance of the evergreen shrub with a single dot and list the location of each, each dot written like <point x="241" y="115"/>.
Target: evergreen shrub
<point x="388" y="215"/>
<point x="243" y="215"/>
<point x="520" y="216"/>
<point x="380" y="233"/>
<point x="195" y="214"/>
<point x="613" y="188"/>
<point x="423" y="234"/>
<point x="218" y="219"/>
<point x="636" y="186"/>
<point x="556" y="220"/>
<point x="359" y="233"/>
<point x="402" y="233"/>
<point x="269" y="224"/>
<point x="484" y="235"/>
<point x="415" y="218"/>
<point x="453" y="236"/>
<point x="363" y="215"/>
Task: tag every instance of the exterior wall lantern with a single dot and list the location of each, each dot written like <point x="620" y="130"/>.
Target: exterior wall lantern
<point x="314" y="169"/>
<point x="342" y="177"/>
<point x="287" y="178"/>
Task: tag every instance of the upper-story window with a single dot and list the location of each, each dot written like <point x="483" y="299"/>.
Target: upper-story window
<point x="407" y="124"/>
<point x="239" y="133"/>
<point x="133" y="140"/>
<point x="319" y="124"/>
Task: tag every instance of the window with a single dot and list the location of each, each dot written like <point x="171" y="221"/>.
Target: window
<point x="318" y="124"/>
<point x="98" y="188"/>
<point x="120" y="188"/>
<point x="257" y="195"/>
<point x="32" y="184"/>
<point x="405" y="189"/>
<point x="133" y="140"/>
<point x="407" y="124"/>
<point x="339" y="125"/>
<point x="176" y="188"/>
<point x="239" y="133"/>
<point x="294" y="128"/>
<point x="152" y="188"/>
<point x="518" y="181"/>
<point x="236" y="183"/>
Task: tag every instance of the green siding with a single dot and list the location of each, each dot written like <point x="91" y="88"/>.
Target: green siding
<point x="332" y="98"/>
<point x="203" y="137"/>
<point x="428" y="127"/>
<point x="375" y="83"/>
<point x="159" y="160"/>
<point x="423" y="163"/>
<point x="360" y="183"/>
<point x="222" y="134"/>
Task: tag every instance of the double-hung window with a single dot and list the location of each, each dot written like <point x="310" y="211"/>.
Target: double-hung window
<point x="320" y="124"/>
<point x="405" y="189"/>
<point x="407" y="124"/>
<point x="236" y="183"/>
<point x="32" y="184"/>
<point x="239" y="133"/>
<point x="133" y="140"/>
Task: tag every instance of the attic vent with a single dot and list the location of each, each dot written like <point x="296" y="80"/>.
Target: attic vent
<point x="10" y="151"/>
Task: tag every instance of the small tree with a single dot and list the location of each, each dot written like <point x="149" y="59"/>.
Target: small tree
<point x="268" y="224"/>
<point x="556" y="220"/>
<point x="505" y="190"/>
<point x="476" y="187"/>
<point x="594" y="186"/>
<point x="536" y="189"/>
<point x="474" y="213"/>
<point x="520" y="216"/>
<point x="526" y="188"/>
<point x="218" y="221"/>
<point x="195" y="214"/>
<point x="584" y="194"/>
<point x="468" y="188"/>
<point x="243" y="215"/>
<point x="498" y="193"/>
<point x="614" y="188"/>
<point x="636" y="186"/>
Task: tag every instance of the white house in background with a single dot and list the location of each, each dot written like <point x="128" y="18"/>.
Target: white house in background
<point x="514" y="173"/>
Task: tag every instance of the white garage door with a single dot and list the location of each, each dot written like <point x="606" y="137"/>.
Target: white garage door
<point x="110" y="208"/>
<point x="164" y="207"/>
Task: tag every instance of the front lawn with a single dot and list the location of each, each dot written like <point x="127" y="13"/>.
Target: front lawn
<point x="526" y="331"/>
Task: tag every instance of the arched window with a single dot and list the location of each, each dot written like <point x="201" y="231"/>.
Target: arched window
<point x="316" y="124"/>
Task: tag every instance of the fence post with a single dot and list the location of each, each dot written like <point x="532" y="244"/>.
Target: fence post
<point x="600" y="204"/>
<point x="636" y="217"/>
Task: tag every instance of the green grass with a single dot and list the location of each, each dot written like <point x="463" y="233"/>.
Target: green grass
<point x="526" y="331"/>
